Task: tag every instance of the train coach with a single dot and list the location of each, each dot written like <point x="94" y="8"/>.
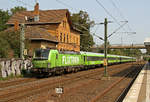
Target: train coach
<point x="50" y="61"/>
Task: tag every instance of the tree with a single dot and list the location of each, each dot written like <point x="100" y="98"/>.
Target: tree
<point x="126" y="52"/>
<point x="4" y="49"/>
<point x="102" y="50"/>
<point x="11" y="41"/>
<point x="123" y="52"/>
<point x="17" y="9"/>
<point x="4" y="16"/>
<point x="82" y="22"/>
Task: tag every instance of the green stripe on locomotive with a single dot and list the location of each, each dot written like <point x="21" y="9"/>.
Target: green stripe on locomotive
<point x="66" y="59"/>
<point x="56" y="59"/>
<point x="45" y="58"/>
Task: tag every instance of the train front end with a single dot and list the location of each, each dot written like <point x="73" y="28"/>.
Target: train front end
<point x="41" y="60"/>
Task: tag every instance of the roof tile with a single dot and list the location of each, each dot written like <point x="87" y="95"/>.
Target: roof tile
<point x="36" y="33"/>
<point x="46" y="16"/>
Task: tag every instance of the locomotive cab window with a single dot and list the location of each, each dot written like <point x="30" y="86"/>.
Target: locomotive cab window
<point x="41" y="54"/>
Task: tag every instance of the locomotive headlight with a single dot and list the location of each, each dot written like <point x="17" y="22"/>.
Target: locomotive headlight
<point x="48" y="65"/>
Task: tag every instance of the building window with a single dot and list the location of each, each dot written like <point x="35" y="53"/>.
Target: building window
<point x="67" y="38"/>
<point x="74" y="39"/>
<point x="60" y="37"/>
<point x="64" y="37"/>
<point x="64" y="24"/>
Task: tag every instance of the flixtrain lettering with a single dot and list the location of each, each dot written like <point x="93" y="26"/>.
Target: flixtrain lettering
<point x="70" y="60"/>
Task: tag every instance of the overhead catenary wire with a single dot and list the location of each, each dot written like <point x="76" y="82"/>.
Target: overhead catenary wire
<point x="117" y="30"/>
<point x="75" y="10"/>
<point x="123" y="17"/>
<point x="100" y="4"/>
<point x="107" y="12"/>
<point x="35" y="1"/>
<point x="59" y="1"/>
<point x="26" y="4"/>
<point x="115" y="6"/>
<point x="64" y="4"/>
<point x="120" y="13"/>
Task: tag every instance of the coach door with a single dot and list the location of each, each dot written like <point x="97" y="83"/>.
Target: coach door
<point x="56" y="60"/>
<point x="85" y="59"/>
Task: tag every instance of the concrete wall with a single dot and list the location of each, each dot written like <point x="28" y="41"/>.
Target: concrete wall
<point x="13" y="66"/>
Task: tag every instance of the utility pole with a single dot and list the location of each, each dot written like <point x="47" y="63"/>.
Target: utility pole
<point x="105" y="63"/>
<point x="105" y="23"/>
<point x="105" y="47"/>
<point x="22" y="41"/>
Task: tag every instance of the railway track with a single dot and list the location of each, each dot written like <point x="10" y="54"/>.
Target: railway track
<point x="48" y="85"/>
<point x="16" y="82"/>
<point x="132" y="73"/>
<point x="27" y="89"/>
<point x="99" y="97"/>
<point x="125" y="91"/>
<point x="8" y="95"/>
<point x="71" y="89"/>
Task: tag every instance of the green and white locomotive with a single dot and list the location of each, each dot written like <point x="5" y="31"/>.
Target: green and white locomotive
<point x="51" y="61"/>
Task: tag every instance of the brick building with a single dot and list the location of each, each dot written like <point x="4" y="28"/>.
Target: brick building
<point x="48" y="28"/>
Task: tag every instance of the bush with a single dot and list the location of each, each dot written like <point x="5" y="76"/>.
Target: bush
<point x="9" y="40"/>
<point x="4" y="48"/>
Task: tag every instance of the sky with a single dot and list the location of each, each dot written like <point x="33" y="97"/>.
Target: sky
<point x="136" y="12"/>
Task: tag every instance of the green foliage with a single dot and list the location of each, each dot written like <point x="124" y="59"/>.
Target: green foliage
<point x="102" y="50"/>
<point x="124" y="52"/>
<point x="4" y="48"/>
<point x="14" y="42"/>
<point x="82" y="22"/>
<point x="17" y="9"/>
<point x="4" y="16"/>
<point x="9" y="41"/>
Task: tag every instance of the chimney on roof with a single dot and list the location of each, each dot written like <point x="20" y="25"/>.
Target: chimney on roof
<point x="16" y="25"/>
<point x="36" y="12"/>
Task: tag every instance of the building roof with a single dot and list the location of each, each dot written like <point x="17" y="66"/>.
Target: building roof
<point x="45" y="16"/>
<point x="36" y="33"/>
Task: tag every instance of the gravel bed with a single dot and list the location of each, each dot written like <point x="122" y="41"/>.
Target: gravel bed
<point x="76" y="88"/>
